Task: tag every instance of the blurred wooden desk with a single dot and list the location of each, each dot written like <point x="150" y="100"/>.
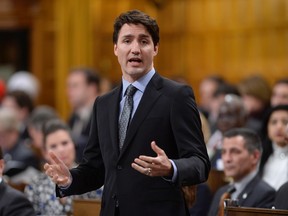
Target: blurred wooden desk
<point x="90" y="207"/>
<point x="216" y="180"/>
<point x="245" y="211"/>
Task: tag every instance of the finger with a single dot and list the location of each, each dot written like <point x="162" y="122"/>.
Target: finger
<point x="138" y="168"/>
<point x="54" y="159"/>
<point x="141" y="163"/>
<point x="157" y="149"/>
<point x="145" y="171"/>
<point x="46" y="166"/>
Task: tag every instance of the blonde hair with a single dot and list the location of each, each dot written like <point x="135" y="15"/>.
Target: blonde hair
<point x="8" y="120"/>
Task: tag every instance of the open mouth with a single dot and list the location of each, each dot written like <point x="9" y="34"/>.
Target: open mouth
<point x="137" y="60"/>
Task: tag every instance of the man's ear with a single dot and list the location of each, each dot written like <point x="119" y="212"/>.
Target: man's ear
<point x="256" y="156"/>
<point x="156" y="49"/>
<point x="115" y="50"/>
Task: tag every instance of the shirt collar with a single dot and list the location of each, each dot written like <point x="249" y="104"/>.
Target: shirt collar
<point x="240" y="185"/>
<point x="140" y="84"/>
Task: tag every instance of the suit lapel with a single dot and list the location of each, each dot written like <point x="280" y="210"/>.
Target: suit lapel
<point x="148" y="99"/>
<point x="247" y="190"/>
<point x="114" y="110"/>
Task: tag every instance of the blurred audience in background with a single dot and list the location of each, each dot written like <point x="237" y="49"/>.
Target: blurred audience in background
<point x="21" y="164"/>
<point x="274" y="160"/>
<point x="24" y="81"/>
<point x="12" y="202"/>
<point x="281" y="195"/>
<point x="256" y="94"/>
<point x="206" y="90"/>
<point x="22" y="104"/>
<point x="83" y="86"/>
<point x="231" y="114"/>
<point x="37" y="119"/>
<point x="57" y="138"/>
<point x="217" y="99"/>
<point x="280" y="92"/>
<point x="2" y="89"/>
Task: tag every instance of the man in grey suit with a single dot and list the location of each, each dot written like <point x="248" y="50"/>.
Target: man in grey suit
<point x="144" y="171"/>
<point x="12" y="202"/>
<point x="241" y="153"/>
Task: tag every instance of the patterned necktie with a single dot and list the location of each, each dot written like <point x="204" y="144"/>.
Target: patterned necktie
<point x="126" y="114"/>
<point x="226" y="195"/>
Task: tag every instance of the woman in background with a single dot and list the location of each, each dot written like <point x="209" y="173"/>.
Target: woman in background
<point x="274" y="162"/>
<point x="41" y="192"/>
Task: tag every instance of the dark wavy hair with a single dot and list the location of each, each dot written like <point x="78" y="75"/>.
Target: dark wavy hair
<point x="136" y="17"/>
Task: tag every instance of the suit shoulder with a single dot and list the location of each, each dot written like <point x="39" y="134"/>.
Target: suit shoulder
<point x="173" y="88"/>
<point x="265" y="187"/>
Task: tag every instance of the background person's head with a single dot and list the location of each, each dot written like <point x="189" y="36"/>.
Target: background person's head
<point x="275" y="124"/>
<point x="57" y="138"/>
<point x="241" y="152"/>
<point x="38" y="118"/>
<point x="20" y="102"/>
<point x="231" y="114"/>
<point x="9" y="129"/>
<point x="280" y="93"/>
<point x="83" y="86"/>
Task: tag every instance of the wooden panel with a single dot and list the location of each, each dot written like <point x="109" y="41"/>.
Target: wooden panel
<point x="198" y="38"/>
<point x="89" y="207"/>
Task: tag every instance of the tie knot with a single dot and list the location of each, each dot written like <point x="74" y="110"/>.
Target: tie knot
<point x="130" y="91"/>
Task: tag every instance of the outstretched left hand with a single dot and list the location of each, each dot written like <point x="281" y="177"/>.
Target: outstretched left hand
<point x="154" y="166"/>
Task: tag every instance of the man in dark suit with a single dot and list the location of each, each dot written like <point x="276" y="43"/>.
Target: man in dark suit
<point x="241" y="153"/>
<point x="83" y="86"/>
<point x="164" y="147"/>
<point x="12" y="202"/>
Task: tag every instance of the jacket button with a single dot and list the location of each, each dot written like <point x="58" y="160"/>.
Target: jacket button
<point x="114" y="196"/>
<point x="119" y="167"/>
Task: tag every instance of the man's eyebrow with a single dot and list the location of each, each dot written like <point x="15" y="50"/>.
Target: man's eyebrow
<point x="130" y="35"/>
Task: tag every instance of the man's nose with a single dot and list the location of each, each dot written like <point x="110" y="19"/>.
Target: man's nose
<point x="135" y="48"/>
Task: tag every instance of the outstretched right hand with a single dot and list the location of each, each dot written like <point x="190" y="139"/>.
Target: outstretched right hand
<point x="58" y="171"/>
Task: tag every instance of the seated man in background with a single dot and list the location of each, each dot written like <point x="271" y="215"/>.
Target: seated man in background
<point x="12" y="202"/>
<point x="83" y="87"/>
<point x="241" y="153"/>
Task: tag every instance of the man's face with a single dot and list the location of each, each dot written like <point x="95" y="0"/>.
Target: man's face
<point x="276" y="127"/>
<point x="135" y="51"/>
<point x="76" y="90"/>
<point x="238" y="162"/>
<point x="279" y="94"/>
<point x="229" y="117"/>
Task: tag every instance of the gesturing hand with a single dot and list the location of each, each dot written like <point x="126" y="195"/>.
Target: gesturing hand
<point x="58" y="171"/>
<point x="154" y="166"/>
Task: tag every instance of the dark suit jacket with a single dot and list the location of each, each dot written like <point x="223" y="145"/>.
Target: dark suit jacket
<point x="82" y="139"/>
<point x="13" y="202"/>
<point x="281" y="197"/>
<point x="256" y="194"/>
<point x="167" y="114"/>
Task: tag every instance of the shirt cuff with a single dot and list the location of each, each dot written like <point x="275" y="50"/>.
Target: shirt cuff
<point x="66" y="187"/>
<point x="175" y="173"/>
